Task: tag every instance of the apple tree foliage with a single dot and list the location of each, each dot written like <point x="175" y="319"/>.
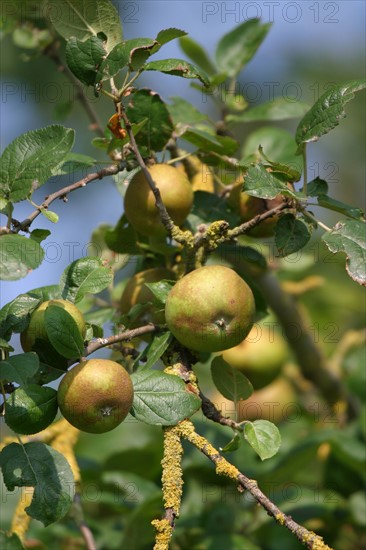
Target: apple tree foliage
<point x="317" y="474"/>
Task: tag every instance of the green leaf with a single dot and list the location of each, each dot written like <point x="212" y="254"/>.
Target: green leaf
<point x="39" y="235"/>
<point x="278" y="108"/>
<point x="207" y="142"/>
<point x="167" y="35"/>
<point x="349" y="237"/>
<point x="122" y="238"/>
<point x="30" y="409"/>
<point x="6" y="207"/>
<point x="49" y="292"/>
<point x="155" y="349"/>
<point x="18" y="256"/>
<point x="161" y="289"/>
<point x="278" y="144"/>
<point x="236" y="48"/>
<point x="197" y="54"/>
<point x="161" y="399"/>
<point x="262" y="184"/>
<point x="84" y="58"/>
<point x="183" y="112"/>
<point x="326" y="113"/>
<point x="230" y="382"/>
<point x="135" y="52"/>
<point x="32" y="158"/>
<point x="263" y="437"/>
<point x="84" y="276"/>
<point x="63" y="332"/>
<point x="338" y="206"/>
<point x="148" y="104"/>
<point x="291" y="234"/>
<point x="38" y="465"/>
<point x="51" y="216"/>
<point x="77" y="161"/>
<point x="177" y="67"/>
<point x="10" y="542"/>
<point x="14" y="316"/>
<point x="20" y="369"/>
<point x="281" y="171"/>
<point x="233" y="445"/>
<point x="317" y="187"/>
<point x="208" y="208"/>
<point x="47" y="374"/>
<point x="85" y="18"/>
<point x="132" y="52"/>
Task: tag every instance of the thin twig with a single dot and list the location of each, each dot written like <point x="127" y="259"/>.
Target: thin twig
<point x="88" y="537"/>
<point x="318" y="222"/>
<point x="247" y="226"/>
<point x="62" y="193"/>
<point x="122" y="336"/>
<point x="211" y="412"/>
<point x="223" y="467"/>
<point x="164" y="215"/>
<point x="85" y="531"/>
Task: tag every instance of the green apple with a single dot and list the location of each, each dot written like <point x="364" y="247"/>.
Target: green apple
<point x="136" y="292"/>
<point x="95" y="395"/>
<point x="210" y="309"/>
<point x="260" y="356"/>
<point x="202" y="178"/>
<point x="277" y="402"/>
<point x="35" y="334"/>
<point x="139" y="202"/>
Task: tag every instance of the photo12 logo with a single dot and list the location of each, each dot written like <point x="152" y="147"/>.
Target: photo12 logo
<point x="290" y="12"/>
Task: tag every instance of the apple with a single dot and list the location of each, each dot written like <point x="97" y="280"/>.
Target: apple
<point x="260" y="356"/>
<point x="210" y="309"/>
<point x="277" y="402"/>
<point x="136" y="292"/>
<point x="248" y="207"/>
<point x="95" y="395"/>
<point x="139" y="202"/>
<point x="201" y="177"/>
<point x="35" y="334"/>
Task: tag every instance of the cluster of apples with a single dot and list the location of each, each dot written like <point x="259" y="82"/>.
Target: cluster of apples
<point x="177" y="192"/>
<point x="211" y="309"/>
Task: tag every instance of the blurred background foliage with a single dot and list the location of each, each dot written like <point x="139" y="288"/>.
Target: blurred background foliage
<point x="318" y="476"/>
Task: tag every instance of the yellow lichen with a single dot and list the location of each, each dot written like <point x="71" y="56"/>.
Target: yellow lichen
<point x="173" y="369"/>
<point x="224" y="468"/>
<point x="315" y="540"/>
<point x="216" y="233"/>
<point x="172" y="476"/>
<point x="280" y="518"/>
<point x="183" y="237"/>
<point x="163" y="533"/>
